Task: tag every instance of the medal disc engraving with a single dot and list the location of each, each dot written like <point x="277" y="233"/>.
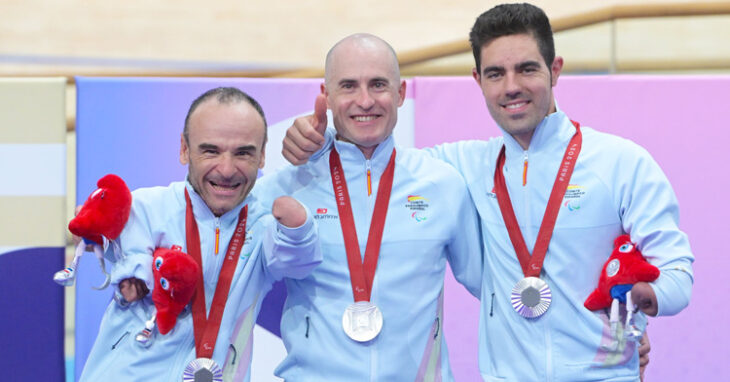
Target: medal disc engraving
<point x="531" y="297"/>
<point x="362" y="321"/>
<point x="613" y="267"/>
<point x="202" y="370"/>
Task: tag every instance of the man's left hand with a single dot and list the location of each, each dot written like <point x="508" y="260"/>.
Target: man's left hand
<point x="289" y="212"/>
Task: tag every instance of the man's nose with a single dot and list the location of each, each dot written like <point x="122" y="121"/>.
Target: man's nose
<point x="226" y="165"/>
<point x="512" y="85"/>
<point x="364" y="99"/>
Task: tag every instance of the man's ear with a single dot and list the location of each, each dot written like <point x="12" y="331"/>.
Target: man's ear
<point x="263" y="156"/>
<point x="555" y="70"/>
<point x="323" y="90"/>
<point x="184" y="150"/>
<point x="476" y="75"/>
<point x="401" y="93"/>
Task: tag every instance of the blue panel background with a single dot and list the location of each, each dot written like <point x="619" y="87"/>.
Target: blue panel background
<point x="131" y="127"/>
<point x="31" y="316"/>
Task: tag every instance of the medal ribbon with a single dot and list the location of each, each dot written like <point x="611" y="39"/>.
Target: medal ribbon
<point x="362" y="272"/>
<point x="532" y="265"/>
<point x="206" y="329"/>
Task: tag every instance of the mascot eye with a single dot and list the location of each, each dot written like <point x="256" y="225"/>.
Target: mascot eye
<point x="158" y="263"/>
<point x="164" y="284"/>
<point x="102" y="194"/>
<point x="626" y="248"/>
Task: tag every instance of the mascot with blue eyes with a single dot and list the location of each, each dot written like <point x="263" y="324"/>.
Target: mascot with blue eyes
<point x="625" y="267"/>
<point x="176" y="274"/>
<point x="99" y="222"/>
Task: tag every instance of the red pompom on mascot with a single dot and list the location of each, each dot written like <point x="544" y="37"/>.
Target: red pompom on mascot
<point x="176" y="275"/>
<point x="99" y="222"/>
<point x="625" y="267"/>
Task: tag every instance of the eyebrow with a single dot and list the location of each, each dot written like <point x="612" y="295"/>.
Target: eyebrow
<point x="380" y="79"/>
<point x="519" y="66"/>
<point x="353" y="81"/>
<point x="246" y="148"/>
<point x="493" y="68"/>
<point x="528" y="64"/>
<point x="210" y="146"/>
<point x="346" y="81"/>
<point x="207" y="146"/>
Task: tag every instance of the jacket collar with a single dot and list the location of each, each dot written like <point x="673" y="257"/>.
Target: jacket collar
<point x="203" y="213"/>
<point x="553" y="132"/>
<point x="350" y="155"/>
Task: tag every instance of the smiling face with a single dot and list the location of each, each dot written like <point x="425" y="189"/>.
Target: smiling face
<point x="224" y="151"/>
<point x="517" y="84"/>
<point x="364" y="91"/>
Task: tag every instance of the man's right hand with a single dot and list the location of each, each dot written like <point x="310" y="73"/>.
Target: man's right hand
<point x="133" y="289"/>
<point x="644" y="349"/>
<point x="306" y="136"/>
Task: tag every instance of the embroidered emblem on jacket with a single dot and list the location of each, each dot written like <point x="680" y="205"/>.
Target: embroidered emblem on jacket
<point x="573" y="196"/>
<point x="321" y="214"/>
<point x="418" y="205"/>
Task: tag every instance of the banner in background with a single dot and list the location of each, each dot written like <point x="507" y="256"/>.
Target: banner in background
<point x="32" y="237"/>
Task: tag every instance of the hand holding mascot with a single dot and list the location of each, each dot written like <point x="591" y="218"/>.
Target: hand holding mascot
<point x="625" y="267"/>
<point x="176" y="276"/>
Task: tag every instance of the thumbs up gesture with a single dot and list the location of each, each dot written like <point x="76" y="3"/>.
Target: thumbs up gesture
<point x="306" y="135"/>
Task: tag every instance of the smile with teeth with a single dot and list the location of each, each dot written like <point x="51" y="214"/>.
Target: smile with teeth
<point x="224" y="187"/>
<point x="364" y="118"/>
<point x="515" y="105"/>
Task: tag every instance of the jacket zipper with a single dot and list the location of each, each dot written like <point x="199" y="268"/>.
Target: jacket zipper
<point x="528" y="228"/>
<point x="120" y="340"/>
<point x="369" y="177"/>
<point x="524" y="171"/>
<point x="217" y="234"/>
<point x="549" y="353"/>
<point x="371" y="205"/>
<point x="526" y="194"/>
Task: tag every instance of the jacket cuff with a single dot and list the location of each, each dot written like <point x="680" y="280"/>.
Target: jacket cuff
<point x="673" y="290"/>
<point x="297" y="233"/>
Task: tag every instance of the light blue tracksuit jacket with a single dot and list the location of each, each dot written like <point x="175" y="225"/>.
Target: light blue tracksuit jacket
<point x="616" y="188"/>
<point x="270" y="252"/>
<point x="430" y="221"/>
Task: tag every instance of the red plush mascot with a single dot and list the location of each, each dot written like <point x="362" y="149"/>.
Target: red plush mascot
<point x="176" y="275"/>
<point x="625" y="267"/>
<point x="100" y="221"/>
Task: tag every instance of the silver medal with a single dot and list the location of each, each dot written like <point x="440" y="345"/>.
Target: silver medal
<point x="362" y="321"/>
<point x="202" y="370"/>
<point x="531" y="297"/>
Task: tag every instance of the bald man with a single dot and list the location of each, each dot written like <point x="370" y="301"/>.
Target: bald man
<point x="389" y="219"/>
